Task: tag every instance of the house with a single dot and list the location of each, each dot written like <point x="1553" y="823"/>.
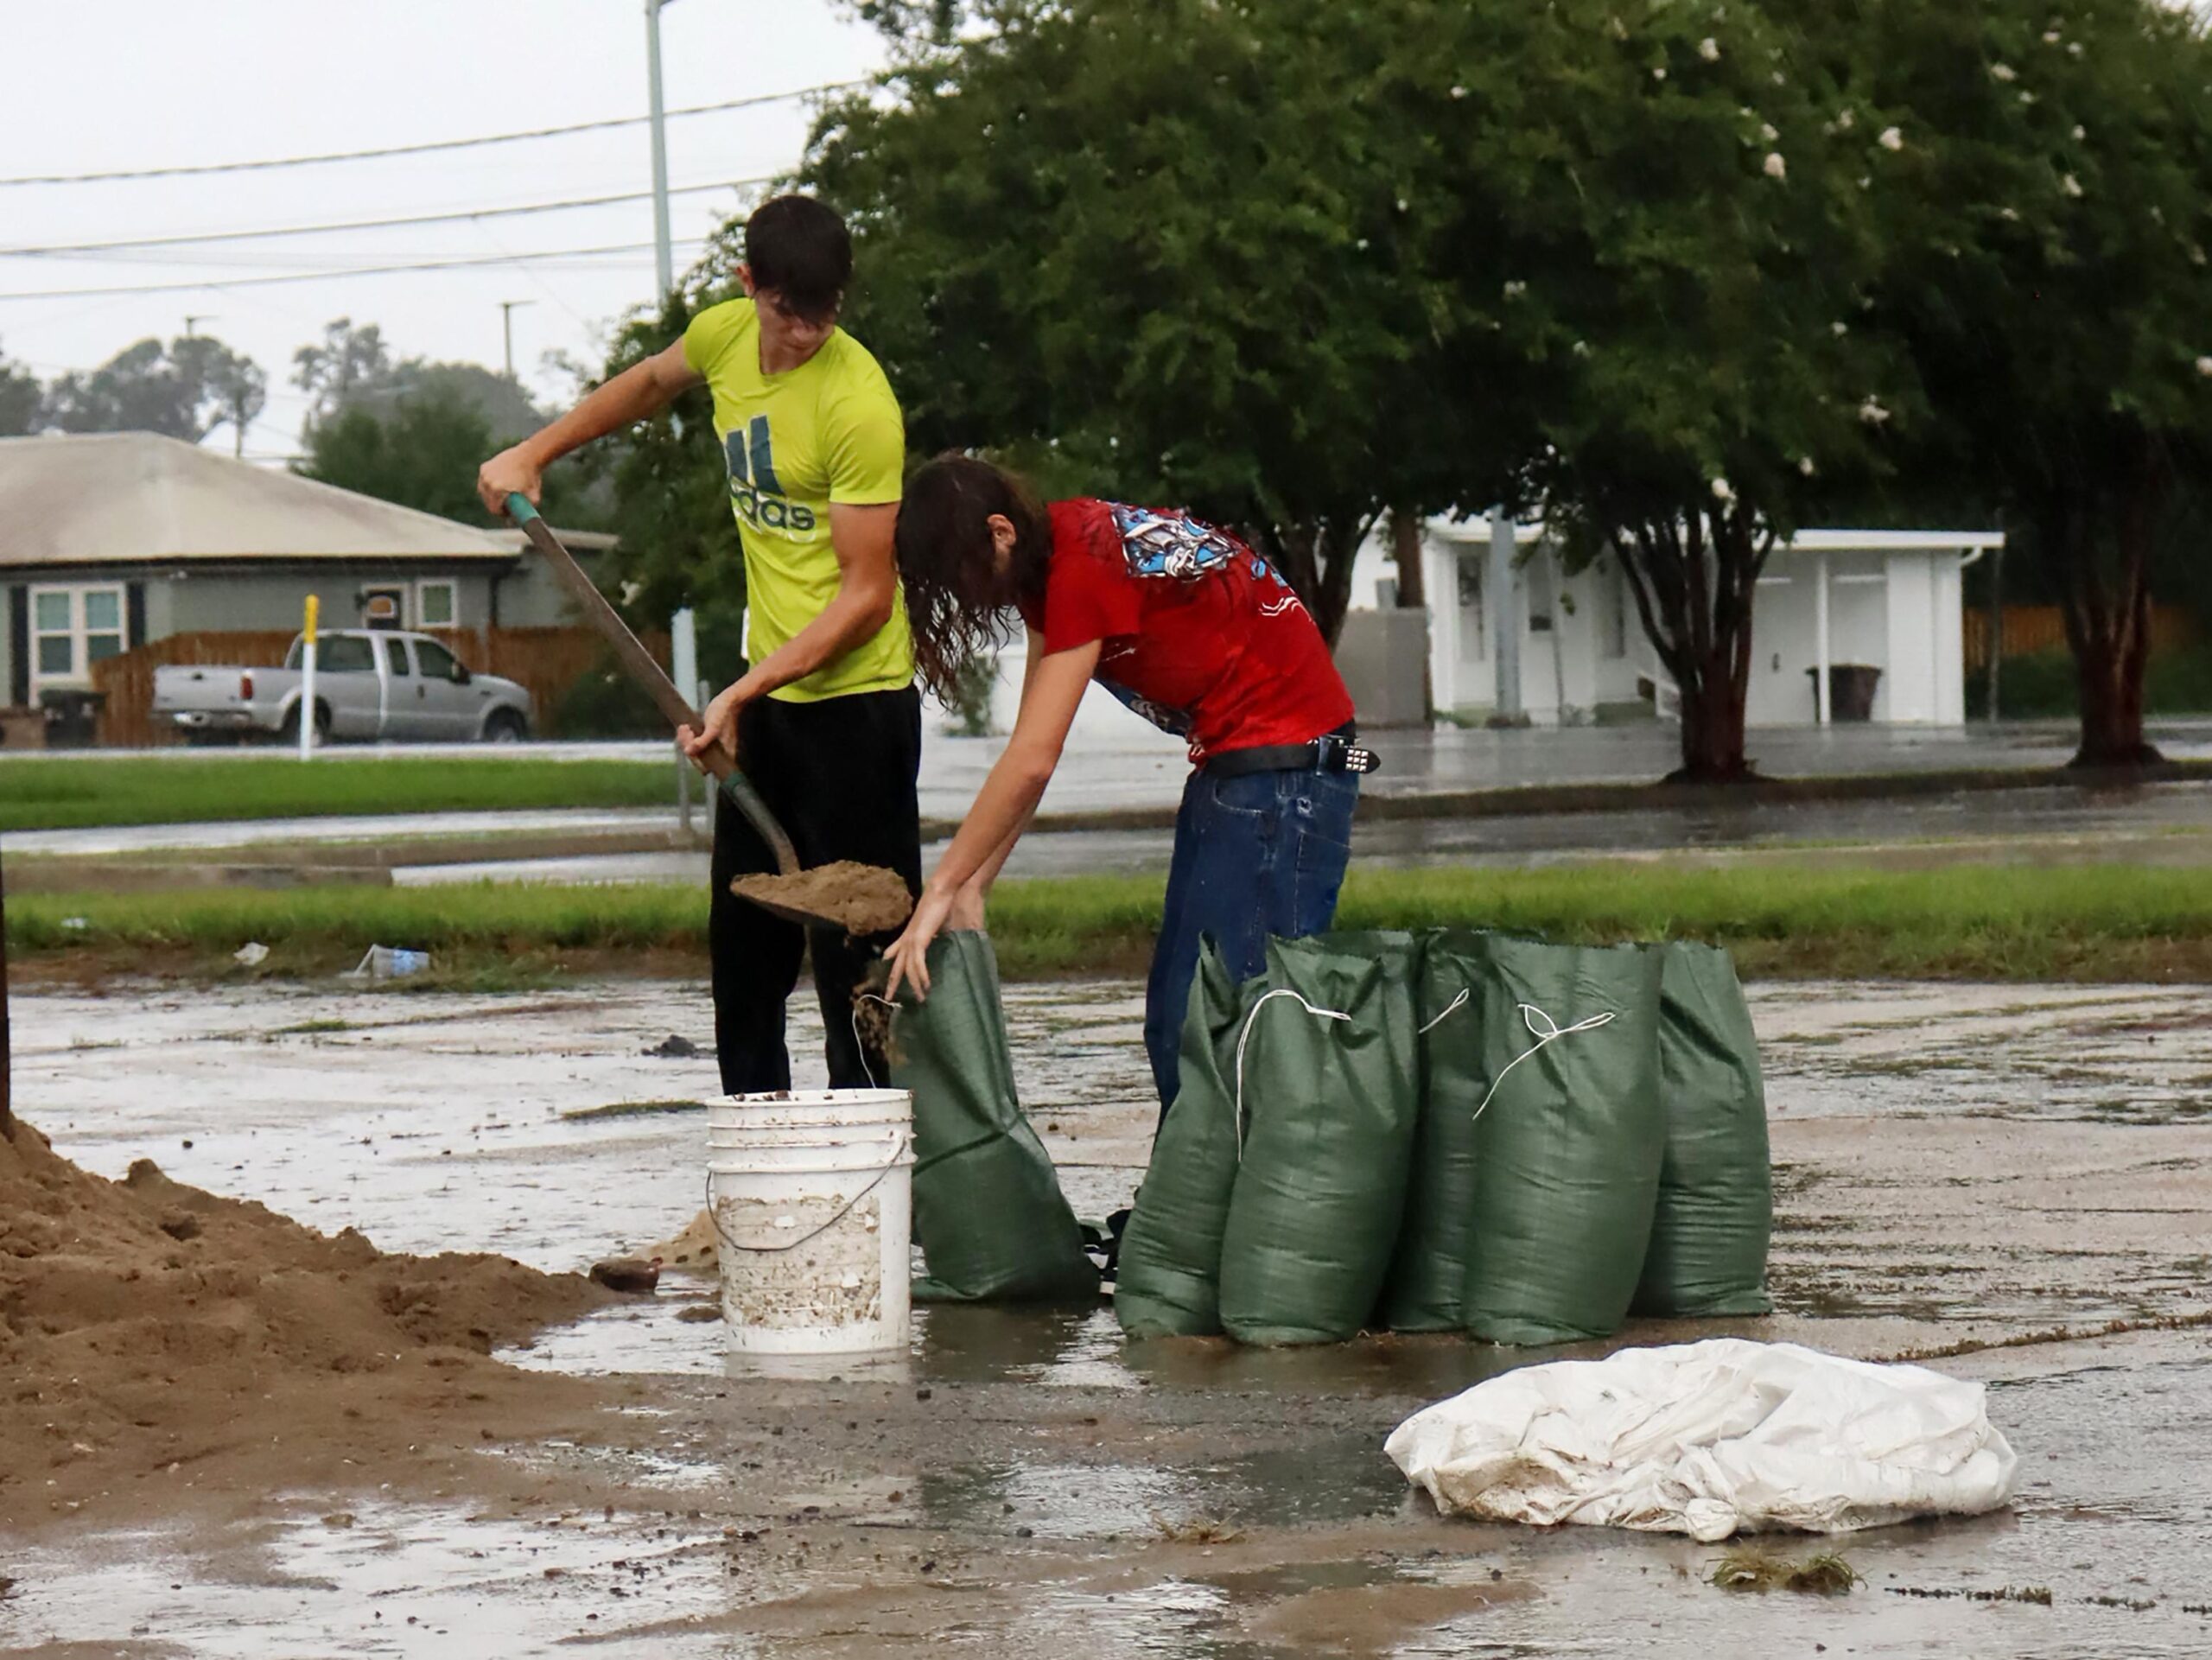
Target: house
<point x="1886" y="600"/>
<point x="110" y="541"/>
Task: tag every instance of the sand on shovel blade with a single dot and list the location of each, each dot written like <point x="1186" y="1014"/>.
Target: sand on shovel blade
<point x="860" y="898"/>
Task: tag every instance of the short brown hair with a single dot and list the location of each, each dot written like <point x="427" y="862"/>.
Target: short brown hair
<point x="799" y="248"/>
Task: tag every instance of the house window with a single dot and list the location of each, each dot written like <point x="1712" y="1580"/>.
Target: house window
<point x="73" y="629"/>
<point x="436" y="605"/>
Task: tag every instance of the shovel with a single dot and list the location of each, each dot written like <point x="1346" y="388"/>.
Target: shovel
<point x="721" y="765"/>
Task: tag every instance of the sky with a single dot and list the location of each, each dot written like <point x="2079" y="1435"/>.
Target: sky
<point x="139" y="84"/>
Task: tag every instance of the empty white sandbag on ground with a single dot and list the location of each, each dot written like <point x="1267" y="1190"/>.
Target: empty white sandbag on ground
<point x="1710" y="1438"/>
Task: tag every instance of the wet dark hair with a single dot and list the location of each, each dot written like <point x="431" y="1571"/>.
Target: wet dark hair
<point x="956" y="602"/>
<point x="799" y="248"/>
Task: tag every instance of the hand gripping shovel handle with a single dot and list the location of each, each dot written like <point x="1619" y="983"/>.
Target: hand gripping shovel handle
<point x="640" y="664"/>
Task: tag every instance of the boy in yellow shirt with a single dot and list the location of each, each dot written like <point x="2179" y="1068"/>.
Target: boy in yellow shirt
<point x="826" y="720"/>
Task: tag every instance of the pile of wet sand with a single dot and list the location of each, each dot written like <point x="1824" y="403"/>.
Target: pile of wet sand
<point x="861" y="899"/>
<point x="147" y="1328"/>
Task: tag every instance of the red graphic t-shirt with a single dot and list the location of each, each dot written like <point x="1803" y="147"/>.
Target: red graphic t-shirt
<point x="1202" y="638"/>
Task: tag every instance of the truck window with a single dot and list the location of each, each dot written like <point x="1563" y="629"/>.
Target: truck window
<point x="437" y="662"/>
<point x="395" y="652"/>
<point x="344" y="654"/>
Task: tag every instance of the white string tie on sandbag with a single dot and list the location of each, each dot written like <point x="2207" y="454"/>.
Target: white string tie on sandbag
<point x="1452" y="1008"/>
<point x="1245" y="1037"/>
<point x="1550" y="1032"/>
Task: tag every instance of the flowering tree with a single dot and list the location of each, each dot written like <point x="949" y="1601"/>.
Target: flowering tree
<point x="1670" y="200"/>
<point x="2047" y="249"/>
<point x="1168" y="249"/>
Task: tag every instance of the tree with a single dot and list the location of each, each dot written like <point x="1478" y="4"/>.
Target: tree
<point x="1172" y="246"/>
<point x="232" y="386"/>
<point x="181" y="390"/>
<point x="423" y="454"/>
<point x="346" y="360"/>
<point x="1669" y="203"/>
<point x="20" y="399"/>
<point x="2049" y="269"/>
<point x="667" y="489"/>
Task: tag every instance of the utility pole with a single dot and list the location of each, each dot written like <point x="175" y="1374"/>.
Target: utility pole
<point x="664" y="255"/>
<point x="191" y="319"/>
<point x="1501" y="599"/>
<point x="507" y="329"/>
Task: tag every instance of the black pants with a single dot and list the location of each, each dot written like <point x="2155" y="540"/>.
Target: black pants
<point x="839" y="775"/>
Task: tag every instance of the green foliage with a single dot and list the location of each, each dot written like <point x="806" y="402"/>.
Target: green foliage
<point x="1161" y="239"/>
<point x="2046" y="686"/>
<point x="183" y="390"/>
<point x="417" y="456"/>
<point x="20" y="398"/>
<point x="668" y="488"/>
<point x="1800" y="917"/>
<point x="606" y="702"/>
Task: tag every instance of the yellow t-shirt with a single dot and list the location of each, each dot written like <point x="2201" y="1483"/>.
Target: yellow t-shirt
<point x="827" y="431"/>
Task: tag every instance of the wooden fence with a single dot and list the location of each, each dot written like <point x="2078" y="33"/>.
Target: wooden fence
<point x="545" y="662"/>
<point x="2032" y="628"/>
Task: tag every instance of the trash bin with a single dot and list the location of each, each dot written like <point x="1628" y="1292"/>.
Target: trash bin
<point x="1850" y="691"/>
<point x="72" y="718"/>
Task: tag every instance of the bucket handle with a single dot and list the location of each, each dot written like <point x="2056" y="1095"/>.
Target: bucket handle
<point x="843" y="1210"/>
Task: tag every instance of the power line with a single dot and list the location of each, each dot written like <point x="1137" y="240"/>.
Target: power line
<point x="50" y="249"/>
<point x="423" y="149"/>
<point x="522" y="259"/>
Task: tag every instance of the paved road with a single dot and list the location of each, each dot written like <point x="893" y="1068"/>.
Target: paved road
<point x="1145" y="769"/>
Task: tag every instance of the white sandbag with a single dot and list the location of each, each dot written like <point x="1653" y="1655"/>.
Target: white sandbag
<point x="1710" y="1438"/>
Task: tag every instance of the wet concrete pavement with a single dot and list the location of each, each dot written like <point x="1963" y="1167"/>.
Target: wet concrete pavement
<point x="1133" y="766"/>
<point x="1954" y="1163"/>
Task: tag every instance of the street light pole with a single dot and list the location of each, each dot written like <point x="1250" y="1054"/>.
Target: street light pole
<point x="664" y="255"/>
<point x="507" y="329"/>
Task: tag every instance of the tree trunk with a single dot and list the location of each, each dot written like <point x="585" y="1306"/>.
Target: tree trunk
<point x="1406" y="555"/>
<point x="2108" y="622"/>
<point x="1315" y="557"/>
<point x="1693" y="580"/>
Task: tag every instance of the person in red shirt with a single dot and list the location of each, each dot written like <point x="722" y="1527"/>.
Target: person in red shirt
<point x="1193" y="630"/>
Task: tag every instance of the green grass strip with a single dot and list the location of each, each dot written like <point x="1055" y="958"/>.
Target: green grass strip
<point x="1996" y="922"/>
<point x="56" y="792"/>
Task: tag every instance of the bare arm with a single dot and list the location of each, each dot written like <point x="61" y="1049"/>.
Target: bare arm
<point x="639" y="391"/>
<point x="1009" y="796"/>
<point x="977" y="888"/>
<point x="868" y="587"/>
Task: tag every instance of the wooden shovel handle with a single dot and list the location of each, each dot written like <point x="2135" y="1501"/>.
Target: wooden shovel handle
<point x="638" y="663"/>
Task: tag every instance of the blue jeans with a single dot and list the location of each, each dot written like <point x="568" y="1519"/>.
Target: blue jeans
<point x="1259" y="855"/>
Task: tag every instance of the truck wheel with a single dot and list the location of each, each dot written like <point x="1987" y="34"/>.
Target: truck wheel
<point x="505" y="725"/>
<point x="290" y="731"/>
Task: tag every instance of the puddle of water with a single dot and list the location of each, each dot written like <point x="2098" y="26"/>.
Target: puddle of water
<point x="429" y="1583"/>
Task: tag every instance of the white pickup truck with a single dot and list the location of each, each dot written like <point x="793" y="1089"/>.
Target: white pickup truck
<point x="370" y="683"/>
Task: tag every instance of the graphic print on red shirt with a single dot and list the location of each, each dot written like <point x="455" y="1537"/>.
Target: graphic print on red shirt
<point x="1201" y="636"/>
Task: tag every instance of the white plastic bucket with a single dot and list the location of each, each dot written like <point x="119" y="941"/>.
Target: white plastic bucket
<point x="813" y="1221"/>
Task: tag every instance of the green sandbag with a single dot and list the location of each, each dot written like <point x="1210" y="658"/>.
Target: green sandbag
<point x="1330" y="1108"/>
<point x="1426" y="1287"/>
<point x="988" y="1213"/>
<point x="1716" y="1188"/>
<point x="1167" y="1277"/>
<point x="1567" y="1150"/>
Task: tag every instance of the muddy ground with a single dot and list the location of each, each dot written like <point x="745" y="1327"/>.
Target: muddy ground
<point x="1957" y="1167"/>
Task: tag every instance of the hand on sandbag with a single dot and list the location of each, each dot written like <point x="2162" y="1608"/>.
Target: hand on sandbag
<point x="908" y="955"/>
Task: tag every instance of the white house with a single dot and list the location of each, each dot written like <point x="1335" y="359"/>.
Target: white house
<point x="1889" y="600"/>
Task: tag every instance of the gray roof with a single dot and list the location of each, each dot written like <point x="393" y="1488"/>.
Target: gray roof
<point x="124" y="498"/>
